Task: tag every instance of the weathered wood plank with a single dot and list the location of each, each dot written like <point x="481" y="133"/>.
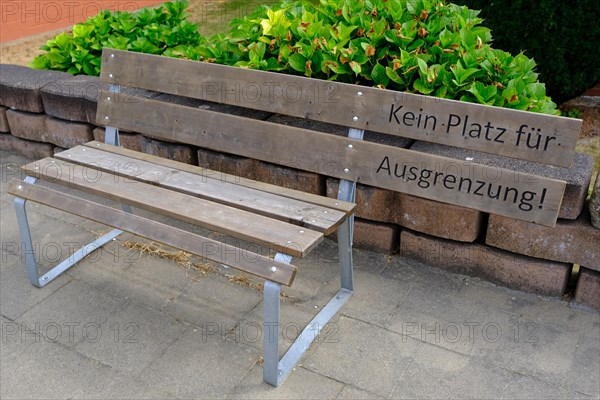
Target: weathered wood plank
<point x="206" y="248"/>
<point x="530" y="136"/>
<point x="321" y="201"/>
<point x="344" y="158"/>
<point x="289" y="210"/>
<point x="274" y="234"/>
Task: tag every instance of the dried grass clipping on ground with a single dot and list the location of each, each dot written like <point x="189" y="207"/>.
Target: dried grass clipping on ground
<point x="245" y="280"/>
<point x="180" y="257"/>
<point x="185" y="259"/>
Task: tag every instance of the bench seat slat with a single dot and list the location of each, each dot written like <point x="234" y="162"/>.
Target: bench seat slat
<point x="289" y="210"/>
<point x="317" y="200"/>
<point x="210" y="249"/>
<point x="278" y="235"/>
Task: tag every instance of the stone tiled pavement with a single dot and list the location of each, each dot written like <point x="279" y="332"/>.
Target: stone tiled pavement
<point x="125" y="325"/>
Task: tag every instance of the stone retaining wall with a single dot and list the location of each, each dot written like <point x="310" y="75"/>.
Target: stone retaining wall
<point x="42" y="112"/>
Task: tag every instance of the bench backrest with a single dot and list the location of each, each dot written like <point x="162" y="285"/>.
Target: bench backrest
<point x="472" y="126"/>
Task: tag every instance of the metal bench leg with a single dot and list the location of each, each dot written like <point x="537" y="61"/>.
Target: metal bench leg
<point x="28" y="249"/>
<point x="275" y="371"/>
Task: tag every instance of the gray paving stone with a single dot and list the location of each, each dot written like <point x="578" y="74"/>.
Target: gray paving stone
<point x="352" y="359"/>
<point x="20" y="87"/>
<point x="584" y="376"/>
<point x="43" y="370"/>
<point x="201" y="366"/>
<point x="351" y="393"/>
<point x="17" y="295"/>
<point x="442" y="374"/>
<point x="74" y="313"/>
<point x="543" y="351"/>
<point x="253" y="387"/>
<point x="144" y="279"/>
<point x="11" y="337"/>
<point x="375" y="306"/>
<point x="526" y="387"/>
<point x="577" y="177"/>
<point x="214" y="302"/>
<point x="439" y="320"/>
<point x="132" y="338"/>
<point x="123" y="387"/>
<point x="293" y="319"/>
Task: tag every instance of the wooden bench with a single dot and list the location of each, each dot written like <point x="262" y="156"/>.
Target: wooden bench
<point x="287" y="222"/>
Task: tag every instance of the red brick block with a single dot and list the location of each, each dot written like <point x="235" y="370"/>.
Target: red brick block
<point x="4" y="127"/>
<point x="41" y="128"/>
<point x="26" y="148"/>
<point x="588" y="288"/>
<point x="28" y="126"/>
<point x="508" y="269"/>
<point x="290" y="178"/>
<point x="242" y="167"/>
<point x="439" y="219"/>
<point x="375" y="236"/>
<point x="132" y="141"/>
<point x="575" y="242"/>
<point x="67" y="134"/>
<point x="372" y="203"/>
<point x="421" y="215"/>
<point x="20" y="87"/>
<point x="173" y="151"/>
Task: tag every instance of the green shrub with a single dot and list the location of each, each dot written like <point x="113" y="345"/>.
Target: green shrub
<point x="150" y="30"/>
<point x="420" y="46"/>
<point x="562" y="36"/>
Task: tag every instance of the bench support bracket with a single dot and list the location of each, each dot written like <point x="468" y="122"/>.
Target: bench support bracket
<point x="29" y="250"/>
<point x="276" y="370"/>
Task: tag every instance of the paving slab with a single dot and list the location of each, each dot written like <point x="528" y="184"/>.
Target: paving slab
<point x="132" y="338"/>
<point x="350" y="357"/>
<point x="439" y="373"/>
<point x="253" y="387"/>
<point x="72" y="314"/>
<point x="201" y="366"/>
<point x="46" y="370"/>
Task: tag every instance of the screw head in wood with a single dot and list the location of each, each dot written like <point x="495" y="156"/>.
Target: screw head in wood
<point x="273" y="269"/>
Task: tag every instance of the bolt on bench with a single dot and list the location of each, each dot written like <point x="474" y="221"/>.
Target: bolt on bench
<point x="287" y="222"/>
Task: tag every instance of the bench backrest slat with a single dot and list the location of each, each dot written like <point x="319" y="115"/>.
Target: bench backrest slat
<point x="499" y="191"/>
<point x="530" y="136"/>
